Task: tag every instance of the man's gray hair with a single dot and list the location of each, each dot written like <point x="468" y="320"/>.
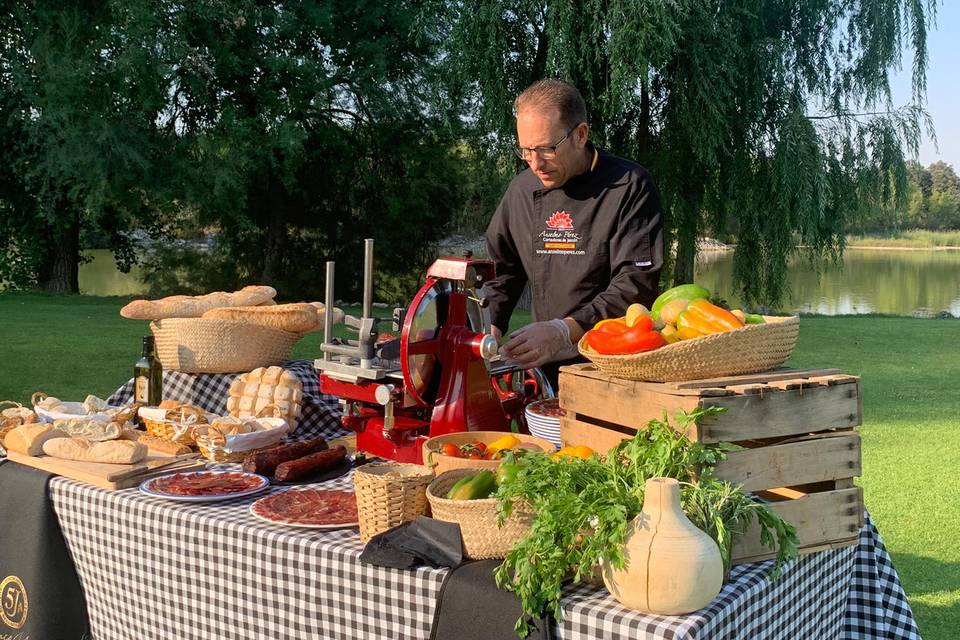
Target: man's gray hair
<point x="551" y="93"/>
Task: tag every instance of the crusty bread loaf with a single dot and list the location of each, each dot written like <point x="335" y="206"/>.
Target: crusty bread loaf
<point x="156" y="444"/>
<point x="111" y="452"/>
<point x="30" y="438"/>
<point x="298" y="317"/>
<point x="92" y="430"/>
<point x="196" y="306"/>
<point x="321" y="312"/>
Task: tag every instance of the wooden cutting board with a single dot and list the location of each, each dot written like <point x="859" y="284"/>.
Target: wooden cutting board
<point x="110" y="476"/>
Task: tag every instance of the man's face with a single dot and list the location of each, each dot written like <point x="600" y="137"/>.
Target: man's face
<point x="536" y="128"/>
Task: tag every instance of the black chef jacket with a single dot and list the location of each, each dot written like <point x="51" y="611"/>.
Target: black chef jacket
<point x="589" y="248"/>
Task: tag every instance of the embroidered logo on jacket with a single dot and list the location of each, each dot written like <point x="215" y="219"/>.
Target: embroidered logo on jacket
<point x="559" y="236"/>
<point x="560" y="220"/>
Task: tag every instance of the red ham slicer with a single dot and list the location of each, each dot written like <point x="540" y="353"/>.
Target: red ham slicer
<point x="442" y="375"/>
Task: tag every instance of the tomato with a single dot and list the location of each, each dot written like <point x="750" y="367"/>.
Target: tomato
<point x="480" y="446"/>
<point x="473" y="454"/>
<point x="450" y="449"/>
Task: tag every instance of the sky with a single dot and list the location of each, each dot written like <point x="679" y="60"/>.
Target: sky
<point x="943" y="86"/>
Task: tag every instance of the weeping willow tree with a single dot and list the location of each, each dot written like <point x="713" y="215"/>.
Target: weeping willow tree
<point x="773" y="120"/>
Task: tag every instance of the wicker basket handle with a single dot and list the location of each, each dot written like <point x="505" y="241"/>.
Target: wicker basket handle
<point x="12" y="403"/>
<point x="38" y="397"/>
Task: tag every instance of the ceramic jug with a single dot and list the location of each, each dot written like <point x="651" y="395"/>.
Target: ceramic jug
<point x="672" y="567"/>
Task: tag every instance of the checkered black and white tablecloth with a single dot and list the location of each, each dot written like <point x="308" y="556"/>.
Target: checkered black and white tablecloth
<point x="319" y="416"/>
<point x="158" y="569"/>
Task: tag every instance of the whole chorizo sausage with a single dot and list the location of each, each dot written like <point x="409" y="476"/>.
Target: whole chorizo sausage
<point x="311" y="464"/>
<point x="266" y="461"/>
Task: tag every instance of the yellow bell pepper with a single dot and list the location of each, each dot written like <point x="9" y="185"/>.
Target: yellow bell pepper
<point x="580" y="451"/>
<point x="508" y="441"/>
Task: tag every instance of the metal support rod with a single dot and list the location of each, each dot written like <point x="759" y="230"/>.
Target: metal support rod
<point x="368" y="278"/>
<point x="340" y="350"/>
<point x="328" y="308"/>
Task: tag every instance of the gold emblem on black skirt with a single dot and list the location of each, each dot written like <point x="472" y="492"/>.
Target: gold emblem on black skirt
<point x="13" y="602"/>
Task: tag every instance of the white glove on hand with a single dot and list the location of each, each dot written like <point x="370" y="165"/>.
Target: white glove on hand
<point x="541" y="342"/>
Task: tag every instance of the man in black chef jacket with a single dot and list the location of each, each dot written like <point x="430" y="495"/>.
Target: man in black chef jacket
<point x="582" y="226"/>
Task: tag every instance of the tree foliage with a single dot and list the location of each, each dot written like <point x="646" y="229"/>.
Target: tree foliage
<point x="292" y="130"/>
<point x="77" y="99"/>
<point x="774" y="118"/>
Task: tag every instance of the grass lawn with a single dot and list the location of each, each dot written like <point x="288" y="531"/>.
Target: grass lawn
<point x="909" y="239"/>
<point x="71" y="346"/>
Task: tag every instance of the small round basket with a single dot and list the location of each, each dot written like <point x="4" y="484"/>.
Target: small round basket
<point x="482" y="539"/>
<point x="389" y="494"/>
<point x="441" y="463"/>
<point x="210" y="345"/>
<point x="171" y="430"/>
<point x="213" y="448"/>
<point x="751" y="349"/>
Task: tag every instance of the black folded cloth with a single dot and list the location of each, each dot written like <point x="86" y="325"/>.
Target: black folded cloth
<point x="424" y="541"/>
<point x="40" y="593"/>
<point x="470" y="605"/>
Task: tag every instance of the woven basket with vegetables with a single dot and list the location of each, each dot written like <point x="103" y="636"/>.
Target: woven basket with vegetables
<point x="698" y="340"/>
<point x="477" y="517"/>
<point x="751" y="349"/>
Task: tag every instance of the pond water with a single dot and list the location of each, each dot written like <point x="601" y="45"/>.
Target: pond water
<point x="100" y="276"/>
<point x="918" y="283"/>
<point x="907" y="283"/>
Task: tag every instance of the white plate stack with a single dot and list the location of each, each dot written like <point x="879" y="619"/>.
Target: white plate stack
<point x="543" y="420"/>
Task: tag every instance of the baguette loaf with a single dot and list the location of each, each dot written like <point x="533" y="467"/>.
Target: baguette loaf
<point x="196" y="306"/>
<point x="296" y="317"/>
<point x="111" y="452"/>
<point x="30" y="438"/>
<point x="320" y="309"/>
<point x="156" y="444"/>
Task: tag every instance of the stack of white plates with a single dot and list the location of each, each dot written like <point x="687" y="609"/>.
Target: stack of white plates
<point x="543" y="420"/>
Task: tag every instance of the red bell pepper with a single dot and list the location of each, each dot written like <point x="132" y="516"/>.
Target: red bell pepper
<point x="637" y="339"/>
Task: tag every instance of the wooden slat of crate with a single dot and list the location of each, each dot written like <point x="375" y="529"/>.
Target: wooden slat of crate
<point x="781" y="413"/>
<point x="599" y="438"/>
<point x="813" y="459"/>
<point x="766" y="376"/>
<point x="829" y="519"/>
<point x="620" y="401"/>
<point x="752" y="413"/>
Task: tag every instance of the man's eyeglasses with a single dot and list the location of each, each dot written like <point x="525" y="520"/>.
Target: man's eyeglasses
<point x="547" y="153"/>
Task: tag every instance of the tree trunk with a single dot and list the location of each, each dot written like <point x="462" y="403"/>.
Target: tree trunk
<point x="59" y="272"/>
<point x="686" y="254"/>
<point x="276" y="240"/>
<point x="643" y="133"/>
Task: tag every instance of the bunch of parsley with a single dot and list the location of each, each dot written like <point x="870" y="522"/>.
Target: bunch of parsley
<point x="584" y="508"/>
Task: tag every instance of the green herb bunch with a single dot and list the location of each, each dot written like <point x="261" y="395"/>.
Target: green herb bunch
<point x="584" y="508"/>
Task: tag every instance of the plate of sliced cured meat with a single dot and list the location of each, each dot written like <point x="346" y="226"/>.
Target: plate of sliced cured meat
<point x="205" y="486"/>
<point x="309" y="508"/>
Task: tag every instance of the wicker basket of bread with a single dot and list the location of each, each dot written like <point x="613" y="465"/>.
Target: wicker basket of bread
<point x="226" y="332"/>
<point x="231" y="439"/>
<point x="752" y="348"/>
<point x="174" y="421"/>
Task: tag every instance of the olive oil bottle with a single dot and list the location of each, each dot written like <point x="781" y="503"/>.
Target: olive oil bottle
<point x="148" y="375"/>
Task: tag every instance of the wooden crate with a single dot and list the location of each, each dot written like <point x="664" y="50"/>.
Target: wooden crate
<point x="793" y="431"/>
